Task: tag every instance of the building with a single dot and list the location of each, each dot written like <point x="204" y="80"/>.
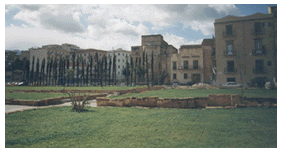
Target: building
<point x="209" y="61"/>
<point x="246" y="48"/>
<point x="121" y="58"/>
<point x="187" y="65"/>
<point x="24" y="55"/>
<point x="154" y="45"/>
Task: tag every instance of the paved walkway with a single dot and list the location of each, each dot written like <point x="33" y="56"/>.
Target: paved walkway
<point x="16" y="108"/>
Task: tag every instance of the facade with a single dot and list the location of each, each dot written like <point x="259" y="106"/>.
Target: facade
<point x="209" y="61"/>
<point x="121" y="57"/>
<point x="24" y="55"/>
<point x="246" y="48"/>
<point x="161" y="51"/>
<point x="187" y="66"/>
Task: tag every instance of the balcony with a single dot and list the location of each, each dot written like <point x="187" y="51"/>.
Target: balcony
<point x="259" y="52"/>
<point x="190" y="67"/>
<point x="259" y="71"/>
<point x="230" y="71"/>
<point x="227" y="54"/>
<point x="225" y="34"/>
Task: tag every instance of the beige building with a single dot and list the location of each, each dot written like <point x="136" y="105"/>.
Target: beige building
<point x="209" y="61"/>
<point x="161" y="51"/>
<point x="246" y="46"/>
<point x="187" y="65"/>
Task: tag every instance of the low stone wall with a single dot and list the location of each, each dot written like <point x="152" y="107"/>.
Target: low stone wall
<point x="135" y="90"/>
<point x="49" y="101"/>
<point x="223" y="101"/>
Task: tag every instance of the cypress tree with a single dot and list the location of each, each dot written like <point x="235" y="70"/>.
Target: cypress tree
<point x="78" y="71"/>
<point x="131" y="69"/>
<point x="90" y="73"/>
<point x="74" y="62"/>
<point x="152" y="63"/>
<point x="114" y="68"/>
<point x="147" y="78"/>
<point x="32" y="71"/>
<point x="37" y="71"/>
<point x="109" y="70"/>
<point x="83" y="72"/>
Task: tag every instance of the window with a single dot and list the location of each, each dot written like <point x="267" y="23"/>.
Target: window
<point x="123" y="54"/>
<point x="257" y="27"/>
<point x="118" y="54"/>
<point x="186" y="65"/>
<point x="229" y="31"/>
<point x="123" y="66"/>
<point x="269" y="63"/>
<point x="174" y="76"/>
<point x="118" y="60"/>
<point x="231" y="80"/>
<point x="123" y="60"/>
<point x="229" y="47"/>
<point x="174" y="65"/>
<point x="266" y="24"/>
<point x="258" y="46"/>
<point x="214" y="63"/>
<point x="195" y="64"/>
<point x="185" y="76"/>
<point x="118" y="73"/>
<point x="118" y="66"/>
<point x="230" y="66"/>
<point x="259" y="66"/>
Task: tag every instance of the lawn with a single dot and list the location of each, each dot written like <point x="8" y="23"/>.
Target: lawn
<point x="71" y="88"/>
<point x="179" y="93"/>
<point x="34" y="96"/>
<point x="119" y="127"/>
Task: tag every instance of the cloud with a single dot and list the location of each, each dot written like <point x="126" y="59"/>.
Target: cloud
<point x="177" y="41"/>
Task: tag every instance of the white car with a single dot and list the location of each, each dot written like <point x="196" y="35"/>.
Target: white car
<point x="231" y="85"/>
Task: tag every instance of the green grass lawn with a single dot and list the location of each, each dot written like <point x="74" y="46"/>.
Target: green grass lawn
<point x="179" y="93"/>
<point x="34" y="96"/>
<point x="139" y="128"/>
<point x="74" y="88"/>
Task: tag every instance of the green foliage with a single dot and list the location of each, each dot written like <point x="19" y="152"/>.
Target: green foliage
<point x="69" y="74"/>
<point x="58" y="127"/>
<point x="78" y="105"/>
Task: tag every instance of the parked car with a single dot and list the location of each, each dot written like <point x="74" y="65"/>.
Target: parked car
<point x="231" y="85"/>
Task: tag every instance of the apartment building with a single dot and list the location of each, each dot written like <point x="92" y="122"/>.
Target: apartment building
<point x="246" y="47"/>
<point x="187" y="65"/>
<point x="121" y="58"/>
<point x="161" y="51"/>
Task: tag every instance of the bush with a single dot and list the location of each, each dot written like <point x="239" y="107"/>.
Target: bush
<point x="78" y="105"/>
<point x="258" y="82"/>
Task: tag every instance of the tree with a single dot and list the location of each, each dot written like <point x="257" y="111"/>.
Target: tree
<point x="105" y="69"/>
<point x="37" y="71"/>
<point x="109" y="71"/>
<point x="50" y="68"/>
<point x="55" y="72"/>
<point x="96" y="67"/>
<point x="152" y="74"/>
<point x="87" y="73"/>
<point x="114" y="69"/>
<point x="132" y="69"/>
<point x="68" y="65"/>
<point x="73" y="61"/>
<point x="90" y="73"/>
<point x="126" y="71"/>
<point x="143" y="64"/>
<point x="32" y="71"/>
<point x="83" y="72"/>
<point x="42" y="71"/>
<point x="147" y="78"/>
<point x="78" y="71"/>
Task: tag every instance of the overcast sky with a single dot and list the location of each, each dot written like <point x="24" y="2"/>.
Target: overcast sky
<point x="114" y="26"/>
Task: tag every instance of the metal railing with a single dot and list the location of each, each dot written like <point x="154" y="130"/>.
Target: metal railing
<point x="226" y="53"/>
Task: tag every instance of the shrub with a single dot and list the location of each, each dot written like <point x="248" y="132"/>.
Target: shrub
<point x="76" y="103"/>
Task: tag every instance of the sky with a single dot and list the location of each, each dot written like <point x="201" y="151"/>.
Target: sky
<point x="110" y="27"/>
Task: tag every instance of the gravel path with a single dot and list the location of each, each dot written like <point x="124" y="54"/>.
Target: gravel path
<point x="17" y="108"/>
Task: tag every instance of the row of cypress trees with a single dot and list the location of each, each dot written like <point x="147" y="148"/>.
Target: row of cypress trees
<point x="94" y="71"/>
